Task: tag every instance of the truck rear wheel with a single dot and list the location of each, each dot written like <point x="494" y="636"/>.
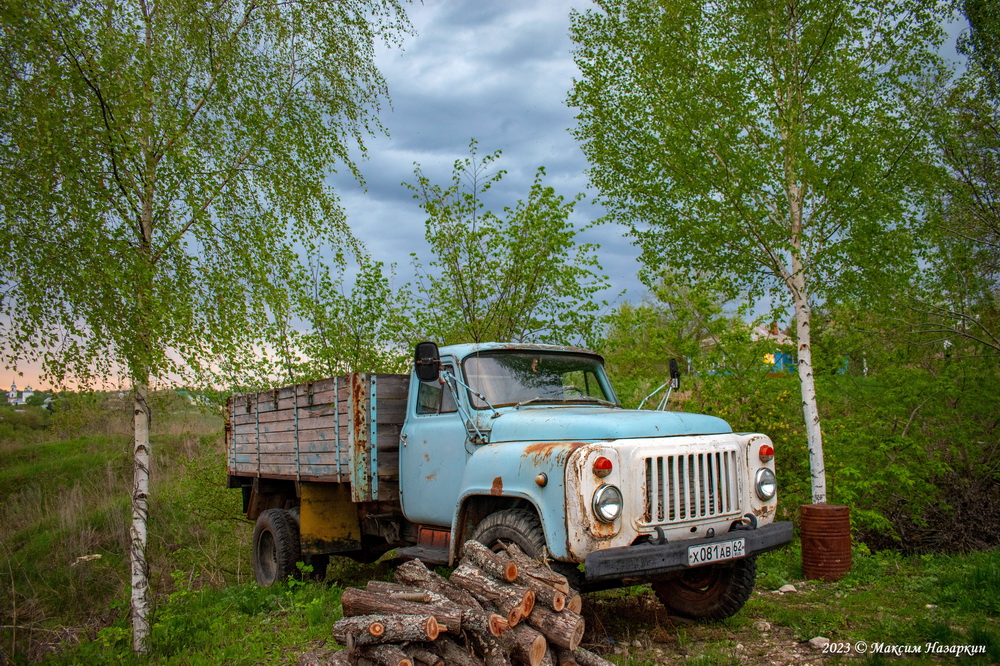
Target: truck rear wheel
<point x="714" y="592"/>
<point x="275" y="547"/>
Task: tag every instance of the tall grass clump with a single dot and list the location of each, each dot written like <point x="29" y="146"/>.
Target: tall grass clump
<point x="64" y="540"/>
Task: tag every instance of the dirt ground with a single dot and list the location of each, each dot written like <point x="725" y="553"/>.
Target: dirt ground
<point x="636" y="629"/>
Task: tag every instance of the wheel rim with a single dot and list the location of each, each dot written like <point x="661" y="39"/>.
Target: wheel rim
<point x="696" y="584"/>
<point x="267" y="556"/>
<point x="500" y="545"/>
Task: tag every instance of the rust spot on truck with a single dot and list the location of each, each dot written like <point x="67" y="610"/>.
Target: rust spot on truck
<point x="497" y="488"/>
<point x="359" y="412"/>
<point x="543" y="450"/>
<point x="601" y="530"/>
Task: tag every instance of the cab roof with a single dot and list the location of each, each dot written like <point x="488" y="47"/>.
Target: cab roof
<point x="468" y="349"/>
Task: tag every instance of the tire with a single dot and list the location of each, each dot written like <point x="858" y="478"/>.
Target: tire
<point x="714" y="592"/>
<point x="275" y="547"/>
<point x="522" y="527"/>
<point x="512" y="526"/>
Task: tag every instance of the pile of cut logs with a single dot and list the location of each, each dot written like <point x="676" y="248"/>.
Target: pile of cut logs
<point x="496" y="608"/>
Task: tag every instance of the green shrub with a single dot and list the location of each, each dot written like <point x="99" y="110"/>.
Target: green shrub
<point x="25" y="423"/>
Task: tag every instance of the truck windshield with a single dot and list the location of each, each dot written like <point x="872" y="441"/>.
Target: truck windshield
<point x="521" y="377"/>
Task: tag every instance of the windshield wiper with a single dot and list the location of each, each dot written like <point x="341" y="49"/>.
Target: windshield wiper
<point x="536" y="399"/>
<point x="453" y="377"/>
<point x="590" y="398"/>
<point x="566" y="401"/>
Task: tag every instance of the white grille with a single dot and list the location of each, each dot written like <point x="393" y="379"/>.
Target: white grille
<point x="691" y="486"/>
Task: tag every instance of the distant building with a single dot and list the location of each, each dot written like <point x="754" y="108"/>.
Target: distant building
<point x="778" y="360"/>
<point x="771" y="332"/>
<point x="15" y="397"/>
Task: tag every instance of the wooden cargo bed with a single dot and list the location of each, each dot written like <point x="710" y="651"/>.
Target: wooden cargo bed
<point x="322" y="431"/>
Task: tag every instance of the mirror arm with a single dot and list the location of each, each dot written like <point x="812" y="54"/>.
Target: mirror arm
<point x="661" y="387"/>
<point x="673" y="383"/>
<point x="447" y="378"/>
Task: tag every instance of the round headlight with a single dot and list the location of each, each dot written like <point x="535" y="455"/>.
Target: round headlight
<point x="608" y="503"/>
<point x="765" y="483"/>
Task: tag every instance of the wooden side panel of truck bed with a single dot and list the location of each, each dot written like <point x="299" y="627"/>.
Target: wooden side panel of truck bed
<point x="343" y="430"/>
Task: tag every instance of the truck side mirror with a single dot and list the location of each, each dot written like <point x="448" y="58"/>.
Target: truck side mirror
<point x="675" y="374"/>
<point x="426" y="361"/>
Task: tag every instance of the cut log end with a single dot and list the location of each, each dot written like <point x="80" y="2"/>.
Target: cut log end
<point x="498" y="625"/>
<point x="528" y="604"/>
<point x="433" y="628"/>
<point x="536" y="651"/>
<point x="376" y="628"/>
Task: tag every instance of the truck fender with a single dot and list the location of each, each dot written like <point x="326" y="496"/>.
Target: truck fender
<point x="513" y="474"/>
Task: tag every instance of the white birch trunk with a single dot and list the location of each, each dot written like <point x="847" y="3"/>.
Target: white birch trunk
<point x="810" y="408"/>
<point x="141" y="457"/>
<point x="140" y="514"/>
<point x="798" y="285"/>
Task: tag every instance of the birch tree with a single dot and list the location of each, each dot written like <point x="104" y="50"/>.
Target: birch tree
<point x="519" y="275"/>
<point x="162" y="167"/>
<point x="961" y="307"/>
<point x="355" y="325"/>
<point x="776" y="143"/>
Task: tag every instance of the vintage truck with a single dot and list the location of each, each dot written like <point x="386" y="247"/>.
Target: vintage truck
<point x="506" y="442"/>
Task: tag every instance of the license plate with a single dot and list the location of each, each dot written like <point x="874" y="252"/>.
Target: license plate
<point x="716" y="552"/>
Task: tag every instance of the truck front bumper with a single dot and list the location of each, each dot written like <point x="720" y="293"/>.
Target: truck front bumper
<point x="648" y="561"/>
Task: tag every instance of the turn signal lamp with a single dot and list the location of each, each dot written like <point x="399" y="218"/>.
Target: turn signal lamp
<point x="766" y="453"/>
<point x="602" y="467"/>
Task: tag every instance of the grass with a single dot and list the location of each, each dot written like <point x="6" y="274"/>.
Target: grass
<point x="64" y="537"/>
<point x="67" y="500"/>
<point x="234" y="624"/>
<point x="887" y="599"/>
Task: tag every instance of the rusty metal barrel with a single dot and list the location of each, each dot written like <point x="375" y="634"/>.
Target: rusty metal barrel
<point x="826" y="541"/>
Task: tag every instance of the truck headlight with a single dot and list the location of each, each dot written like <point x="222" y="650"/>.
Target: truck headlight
<point x="608" y="503"/>
<point x="766" y="483"/>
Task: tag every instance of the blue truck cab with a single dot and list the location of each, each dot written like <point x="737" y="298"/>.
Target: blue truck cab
<point x="528" y="444"/>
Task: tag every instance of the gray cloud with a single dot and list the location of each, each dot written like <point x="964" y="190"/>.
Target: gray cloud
<point x="498" y="72"/>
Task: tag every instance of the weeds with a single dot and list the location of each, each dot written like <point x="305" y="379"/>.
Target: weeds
<point x="887" y="598"/>
<point x="64" y="537"/>
<point x="67" y="501"/>
<point x="239" y="624"/>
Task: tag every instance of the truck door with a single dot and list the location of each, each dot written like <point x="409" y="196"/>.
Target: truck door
<point x="432" y="452"/>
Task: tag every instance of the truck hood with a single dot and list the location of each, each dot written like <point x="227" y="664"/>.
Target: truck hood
<point x="584" y="424"/>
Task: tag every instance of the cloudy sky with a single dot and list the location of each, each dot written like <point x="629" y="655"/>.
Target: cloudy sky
<point x="498" y="72"/>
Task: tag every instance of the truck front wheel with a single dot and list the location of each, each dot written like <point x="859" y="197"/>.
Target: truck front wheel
<point x="714" y="592"/>
<point x="275" y="547"/>
<point x="512" y="526"/>
<point x="523" y="528"/>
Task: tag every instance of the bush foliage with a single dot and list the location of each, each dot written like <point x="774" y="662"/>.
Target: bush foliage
<point x="910" y="429"/>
